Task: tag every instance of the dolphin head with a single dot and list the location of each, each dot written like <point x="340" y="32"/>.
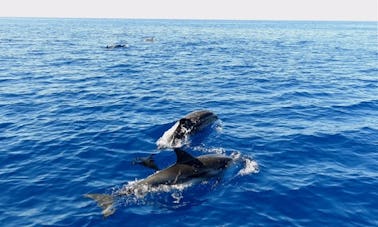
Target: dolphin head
<point x="179" y="134"/>
<point x="214" y="164"/>
<point x="200" y="119"/>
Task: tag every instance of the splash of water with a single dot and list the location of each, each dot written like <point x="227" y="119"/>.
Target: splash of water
<point x="139" y="191"/>
<point x="250" y="166"/>
<point x="168" y="140"/>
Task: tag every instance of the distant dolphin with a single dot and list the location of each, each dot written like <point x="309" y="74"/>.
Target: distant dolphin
<point x="114" y="46"/>
<point x="149" y="39"/>
<point x="186" y="169"/>
<point x="185" y="127"/>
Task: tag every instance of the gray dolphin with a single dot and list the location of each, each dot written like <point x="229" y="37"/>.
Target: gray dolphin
<point x="115" y="46"/>
<point x="149" y="39"/>
<point x="192" y="123"/>
<point x="186" y="169"/>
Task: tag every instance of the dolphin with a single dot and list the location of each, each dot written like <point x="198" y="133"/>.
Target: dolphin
<point x="115" y="46"/>
<point x="186" y="169"/>
<point x="192" y="123"/>
<point x="149" y="39"/>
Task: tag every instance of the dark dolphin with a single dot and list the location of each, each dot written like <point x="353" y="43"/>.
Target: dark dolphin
<point x="192" y="123"/>
<point x="115" y="46"/>
<point x="186" y="169"/>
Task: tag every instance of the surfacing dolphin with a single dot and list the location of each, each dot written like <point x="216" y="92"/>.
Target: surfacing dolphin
<point x="180" y="132"/>
<point x="116" y="46"/>
<point x="186" y="169"/>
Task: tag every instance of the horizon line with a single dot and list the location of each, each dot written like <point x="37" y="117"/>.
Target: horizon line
<point x="187" y="19"/>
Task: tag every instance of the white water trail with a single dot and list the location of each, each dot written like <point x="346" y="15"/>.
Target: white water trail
<point x="250" y="166"/>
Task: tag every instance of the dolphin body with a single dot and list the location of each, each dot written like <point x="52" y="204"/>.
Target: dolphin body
<point x="185" y="127"/>
<point x="186" y="169"/>
<point x="115" y="46"/>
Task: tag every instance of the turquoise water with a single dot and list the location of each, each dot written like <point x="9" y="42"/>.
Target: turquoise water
<point x="297" y="98"/>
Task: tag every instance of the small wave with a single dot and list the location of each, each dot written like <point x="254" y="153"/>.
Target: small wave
<point x="304" y="42"/>
<point x="139" y="191"/>
<point x="218" y="126"/>
<point x="250" y="166"/>
<point x="362" y="105"/>
<point x="369" y="70"/>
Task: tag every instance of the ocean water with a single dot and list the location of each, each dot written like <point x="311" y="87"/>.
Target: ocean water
<point x="298" y="99"/>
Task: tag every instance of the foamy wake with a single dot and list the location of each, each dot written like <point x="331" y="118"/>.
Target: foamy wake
<point x="140" y="191"/>
<point x="250" y="166"/>
<point x="167" y="140"/>
<point x="219" y="151"/>
<point x="218" y="125"/>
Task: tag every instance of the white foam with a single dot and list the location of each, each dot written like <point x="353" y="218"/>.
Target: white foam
<point x="250" y="167"/>
<point x="167" y="140"/>
<point x="218" y="126"/>
<point x="139" y="191"/>
<point x="219" y="151"/>
<point x="177" y="196"/>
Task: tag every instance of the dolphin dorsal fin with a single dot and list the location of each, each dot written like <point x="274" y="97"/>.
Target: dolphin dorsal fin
<point x="184" y="157"/>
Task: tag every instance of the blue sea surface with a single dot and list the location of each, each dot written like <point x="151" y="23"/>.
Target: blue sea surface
<point x="300" y="99"/>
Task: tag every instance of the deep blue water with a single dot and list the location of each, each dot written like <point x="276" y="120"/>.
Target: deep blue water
<point x="298" y="98"/>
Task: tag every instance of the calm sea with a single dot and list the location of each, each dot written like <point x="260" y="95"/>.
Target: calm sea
<point x="300" y="99"/>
